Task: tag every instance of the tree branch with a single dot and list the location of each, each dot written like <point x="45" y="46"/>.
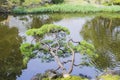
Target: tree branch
<point x="73" y="57"/>
<point x="46" y="45"/>
<point x="65" y="62"/>
<point x="58" y="61"/>
<point x="57" y="68"/>
<point x="74" y="41"/>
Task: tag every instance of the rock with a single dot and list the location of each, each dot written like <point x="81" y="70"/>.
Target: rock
<point x="66" y="75"/>
<point x="37" y="77"/>
<point x="5" y="9"/>
<point x="2" y="10"/>
<point x="43" y="2"/>
<point x="84" y="76"/>
<point x="51" y="74"/>
<point x="112" y="72"/>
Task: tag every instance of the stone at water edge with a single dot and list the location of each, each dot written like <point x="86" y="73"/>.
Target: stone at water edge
<point x="37" y="77"/>
<point x="66" y="75"/>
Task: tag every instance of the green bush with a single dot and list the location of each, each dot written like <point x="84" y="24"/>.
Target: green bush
<point x="19" y="9"/>
<point x="116" y="2"/>
<point x="57" y="1"/>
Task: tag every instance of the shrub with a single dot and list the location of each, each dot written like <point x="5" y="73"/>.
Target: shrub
<point x="19" y="9"/>
<point x="57" y="1"/>
<point x="117" y="2"/>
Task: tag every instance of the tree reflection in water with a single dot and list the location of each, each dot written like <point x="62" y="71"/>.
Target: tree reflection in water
<point x="104" y="33"/>
<point x="11" y="61"/>
<point x="35" y="21"/>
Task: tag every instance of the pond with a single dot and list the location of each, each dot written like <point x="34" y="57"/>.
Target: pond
<point x="103" y="31"/>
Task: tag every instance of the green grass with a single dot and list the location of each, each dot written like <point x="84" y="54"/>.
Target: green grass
<point x="67" y="8"/>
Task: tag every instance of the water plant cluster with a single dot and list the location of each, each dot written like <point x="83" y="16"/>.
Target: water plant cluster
<point x="68" y="8"/>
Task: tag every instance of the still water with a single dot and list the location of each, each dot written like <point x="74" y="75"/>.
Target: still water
<point x="102" y="31"/>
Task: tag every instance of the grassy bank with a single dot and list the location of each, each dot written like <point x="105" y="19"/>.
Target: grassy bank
<point x="67" y="8"/>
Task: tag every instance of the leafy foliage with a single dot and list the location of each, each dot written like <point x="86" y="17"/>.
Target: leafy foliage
<point x="57" y="1"/>
<point x="85" y="47"/>
<point x="116" y="2"/>
<point x="27" y="52"/>
<point x="46" y="29"/>
<point x="53" y="36"/>
<point x="27" y="49"/>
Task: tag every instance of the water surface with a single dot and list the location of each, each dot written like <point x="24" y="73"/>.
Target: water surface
<point x="103" y="32"/>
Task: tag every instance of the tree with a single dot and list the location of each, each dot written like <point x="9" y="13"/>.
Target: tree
<point x="3" y="2"/>
<point x="2" y="7"/>
<point x="52" y="40"/>
<point x="116" y="2"/>
<point x="7" y="5"/>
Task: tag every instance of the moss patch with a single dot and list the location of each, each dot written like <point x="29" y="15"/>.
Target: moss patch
<point x="109" y="77"/>
<point x="68" y="78"/>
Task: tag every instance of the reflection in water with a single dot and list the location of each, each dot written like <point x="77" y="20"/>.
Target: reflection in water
<point x="3" y="17"/>
<point x="104" y="33"/>
<point x="10" y="57"/>
<point x="35" y="21"/>
<point x="74" y="25"/>
<point x="38" y="21"/>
